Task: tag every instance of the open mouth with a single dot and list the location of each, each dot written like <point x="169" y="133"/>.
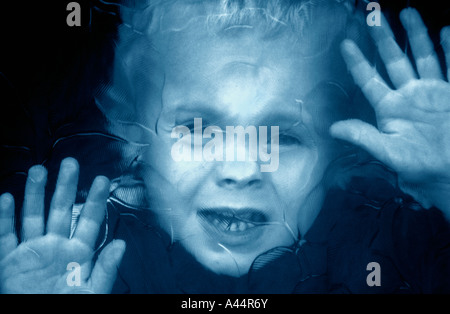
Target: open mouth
<point x="231" y="221"/>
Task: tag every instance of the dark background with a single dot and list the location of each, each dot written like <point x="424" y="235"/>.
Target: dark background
<point x="48" y="75"/>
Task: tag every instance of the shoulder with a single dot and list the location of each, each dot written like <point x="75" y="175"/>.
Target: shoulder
<point x="410" y="245"/>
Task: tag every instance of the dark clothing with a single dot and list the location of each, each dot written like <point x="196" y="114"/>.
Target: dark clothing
<point x="412" y="247"/>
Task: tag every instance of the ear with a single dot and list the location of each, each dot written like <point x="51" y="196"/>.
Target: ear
<point x="142" y="16"/>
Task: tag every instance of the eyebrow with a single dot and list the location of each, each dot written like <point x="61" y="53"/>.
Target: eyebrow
<point x="198" y="110"/>
<point x="289" y="114"/>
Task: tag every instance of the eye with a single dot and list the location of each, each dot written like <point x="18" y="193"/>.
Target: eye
<point x="197" y="129"/>
<point x="288" y="140"/>
<point x="191" y="127"/>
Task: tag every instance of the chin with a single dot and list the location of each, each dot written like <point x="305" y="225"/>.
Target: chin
<point x="231" y="260"/>
<point x="225" y="262"/>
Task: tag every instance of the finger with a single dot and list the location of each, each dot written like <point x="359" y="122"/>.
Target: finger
<point x="361" y="134"/>
<point x="427" y="62"/>
<point x="397" y="63"/>
<point x="365" y="76"/>
<point x="93" y="212"/>
<point x="445" y="42"/>
<point x="6" y="214"/>
<point x="105" y="269"/>
<point x="60" y="215"/>
<point x="8" y="239"/>
<point x="33" y="205"/>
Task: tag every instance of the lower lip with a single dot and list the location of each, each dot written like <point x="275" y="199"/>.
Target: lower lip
<point x="232" y="238"/>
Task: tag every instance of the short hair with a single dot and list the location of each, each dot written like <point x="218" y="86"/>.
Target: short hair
<point x="295" y="14"/>
<point x="137" y="51"/>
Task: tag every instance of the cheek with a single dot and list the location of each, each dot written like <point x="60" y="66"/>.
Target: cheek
<point x="296" y="172"/>
<point x="180" y="179"/>
<point x="296" y="182"/>
<point x="171" y="188"/>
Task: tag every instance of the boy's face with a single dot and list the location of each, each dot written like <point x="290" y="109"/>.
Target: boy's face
<point x="226" y="213"/>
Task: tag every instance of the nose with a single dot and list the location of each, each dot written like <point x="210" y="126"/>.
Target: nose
<point x="238" y="174"/>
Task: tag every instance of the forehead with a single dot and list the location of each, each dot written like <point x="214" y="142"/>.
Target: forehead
<point x="239" y="70"/>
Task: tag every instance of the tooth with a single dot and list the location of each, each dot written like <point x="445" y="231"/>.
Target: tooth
<point x="216" y="222"/>
<point x="242" y="226"/>
<point x="233" y="227"/>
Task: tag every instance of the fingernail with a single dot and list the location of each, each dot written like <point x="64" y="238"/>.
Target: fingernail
<point x="69" y="163"/>
<point x="119" y="244"/>
<point x="407" y="14"/>
<point x="6" y="200"/>
<point x="347" y="43"/>
<point x="37" y="174"/>
<point x="102" y="182"/>
<point x="410" y="18"/>
<point x="101" y="186"/>
<point x="68" y="169"/>
<point x="119" y="248"/>
<point x="350" y="53"/>
<point x="445" y="35"/>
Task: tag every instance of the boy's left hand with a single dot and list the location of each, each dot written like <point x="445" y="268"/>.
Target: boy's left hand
<point x="413" y="134"/>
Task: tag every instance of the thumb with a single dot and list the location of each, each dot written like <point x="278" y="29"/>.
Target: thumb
<point x="361" y="134"/>
<point x="105" y="269"/>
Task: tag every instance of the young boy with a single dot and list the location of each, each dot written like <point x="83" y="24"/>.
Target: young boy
<point x="197" y="81"/>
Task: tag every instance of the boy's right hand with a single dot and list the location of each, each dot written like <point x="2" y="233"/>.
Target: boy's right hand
<point x="40" y="264"/>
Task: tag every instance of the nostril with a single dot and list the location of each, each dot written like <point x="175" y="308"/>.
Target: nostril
<point x="238" y="175"/>
<point x="241" y="183"/>
<point x="228" y="181"/>
<point x="254" y="182"/>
